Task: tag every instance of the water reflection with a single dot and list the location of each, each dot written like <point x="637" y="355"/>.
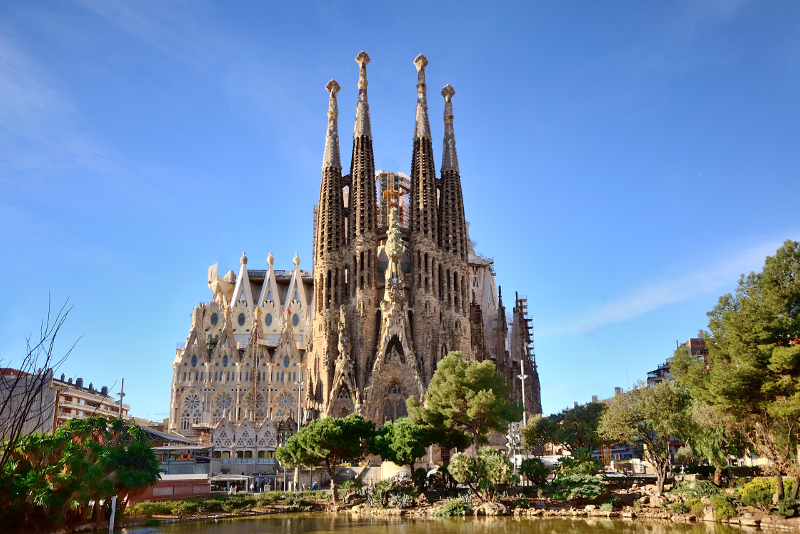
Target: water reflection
<point x="312" y="524"/>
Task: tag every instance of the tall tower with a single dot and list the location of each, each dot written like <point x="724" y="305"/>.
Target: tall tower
<point x="425" y="268"/>
<point x="453" y="238"/>
<point x="362" y="226"/>
<point x="329" y="244"/>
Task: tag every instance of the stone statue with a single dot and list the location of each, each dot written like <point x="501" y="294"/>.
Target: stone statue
<point x="344" y="340"/>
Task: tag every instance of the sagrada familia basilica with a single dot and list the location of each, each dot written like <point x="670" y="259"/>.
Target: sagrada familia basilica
<point x="395" y="285"/>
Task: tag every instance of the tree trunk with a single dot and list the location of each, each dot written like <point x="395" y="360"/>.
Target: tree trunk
<point x="781" y="493"/>
<point x="796" y="487"/>
<point x="661" y="477"/>
<point x="332" y="473"/>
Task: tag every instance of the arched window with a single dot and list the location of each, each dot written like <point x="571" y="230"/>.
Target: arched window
<point x="224" y="361"/>
<point x="194" y="361"/>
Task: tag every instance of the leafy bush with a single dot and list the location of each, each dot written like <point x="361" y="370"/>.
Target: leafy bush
<point x="567" y="466"/>
<point x="637" y="504"/>
<point x="185" y="508"/>
<point x="786" y="508"/>
<point x="520" y="502"/>
<point x="614" y="501"/>
<point x="704" y="470"/>
<point x="486" y="472"/>
<point x="695" y="507"/>
<point x="467" y="498"/>
<point x="759" y="491"/>
<point x="696" y="489"/>
<point x="149" y="509"/>
<point x="744" y="471"/>
<point x="351" y="484"/>
<point x="421" y="478"/>
<point x="723" y="507"/>
<point x="453" y="507"/>
<point x="402" y="499"/>
<point x="570" y="487"/>
<point x="535" y="470"/>
<point x="679" y="508"/>
<point x="607" y="507"/>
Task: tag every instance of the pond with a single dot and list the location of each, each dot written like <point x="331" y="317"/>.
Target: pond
<point x="313" y="523"/>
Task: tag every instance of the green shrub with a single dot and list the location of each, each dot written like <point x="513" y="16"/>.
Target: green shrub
<point x="567" y="466"/>
<point x="759" y="491"/>
<point x="637" y="504"/>
<point x="695" y="507"/>
<point x="520" y="502"/>
<point x="679" y="508"/>
<point x="587" y="487"/>
<point x="696" y="489"/>
<point x="786" y="508"/>
<point x="453" y="507"/>
<point x="184" y="508"/>
<point x="351" y="484"/>
<point x="606" y="507"/>
<point x="723" y="507"/>
<point x="149" y="509"/>
<point x="535" y="470"/>
<point x="614" y="501"/>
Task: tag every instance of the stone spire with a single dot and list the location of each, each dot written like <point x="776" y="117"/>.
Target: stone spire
<point x="449" y="153"/>
<point x="452" y="226"/>
<point x="422" y="125"/>
<point x="363" y="208"/>
<point x="423" y="170"/>
<point x="331" y="156"/>
<point x="330" y="209"/>
<point x="362" y="108"/>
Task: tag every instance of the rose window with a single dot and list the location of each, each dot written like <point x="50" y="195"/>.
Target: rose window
<point x="192" y="402"/>
<point x="286" y="401"/>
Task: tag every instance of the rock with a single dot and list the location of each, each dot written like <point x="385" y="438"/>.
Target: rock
<point x="491" y="509"/>
<point x="708" y="514"/>
<point x="542" y="505"/>
<point x="656" y="501"/>
<point x="590" y="507"/>
<point x="630" y="515"/>
<point x="706" y="500"/>
<point x="749" y="521"/>
<point x="644" y="499"/>
<point x="353" y="498"/>
<point x="422" y="499"/>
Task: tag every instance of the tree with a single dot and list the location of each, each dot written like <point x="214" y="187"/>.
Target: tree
<point x="751" y="379"/>
<point x="401" y="442"/>
<point x="576" y="428"/>
<point x="538" y="432"/>
<point x="468" y="396"/>
<point x="484" y="473"/>
<point x="650" y="416"/>
<point x="83" y="461"/>
<point x="328" y="441"/>
<point x="535" y="470"/>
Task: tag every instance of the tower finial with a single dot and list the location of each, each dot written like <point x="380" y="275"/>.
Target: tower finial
<point x="331" y="156"/>
<point x="422" y="125"/>
<point x="362" y="108"/>
<point x="449" y="153"/>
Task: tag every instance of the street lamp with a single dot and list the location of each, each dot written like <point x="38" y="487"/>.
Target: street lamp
<point x="522" y="378"/>
<point x="299" y="396"/>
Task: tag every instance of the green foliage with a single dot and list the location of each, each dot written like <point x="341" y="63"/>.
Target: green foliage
<point x="695" y="507"/>
<point x="723" y="507"/>
<point x="464" y="396"/>
<point x="149" y="509"/>
<point x="606" y="507"/>
<point x="696" y="489"/>
<point x="577" y="486"/>
<point x="786" y="508"/>
<point x="759" y="491"/>
<point x="650" y="416"/>
<point x="751" y="380"/>
<point x="520" y="502"/>
<point x="401" y="499"/>
<point x="351" y="484"/>
<point x="49" y="476"/>
<point x="467" y="498"/>
<point x="614" y="501"/>
<point x="535" y="470"/>
<point x="328" y="441"/>
<point x="566" y="466"/>
<point x="421" y="478"/>
<point x="637" y="504"/>
<point x="483" y="474"/>
<point x="679" y="508"/>
<point x="453" y="507"/>
<point x="401" y="442"/>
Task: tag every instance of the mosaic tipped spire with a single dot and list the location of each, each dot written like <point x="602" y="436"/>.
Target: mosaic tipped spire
<point x="422" y="125"/>
<point x="331" y="156"/>
<point x="449" y="153"/>
<point x="362" y="108"/>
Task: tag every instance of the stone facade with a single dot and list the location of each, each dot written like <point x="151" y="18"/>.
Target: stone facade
<point x="395" y="286"/>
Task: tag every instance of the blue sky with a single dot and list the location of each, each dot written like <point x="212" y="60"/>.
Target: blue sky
<point x="622" y="162"/>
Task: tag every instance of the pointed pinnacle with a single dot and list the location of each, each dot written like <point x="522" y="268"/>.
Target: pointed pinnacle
<point x="421" y="62"/>
<point x="331" y="156"/>
<point x="448" y="92"/>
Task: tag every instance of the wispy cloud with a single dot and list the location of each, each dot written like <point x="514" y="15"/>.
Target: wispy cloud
<point x="38" y="133"/>
<point x="712" y="277"/>
<point x="169" y="27"/>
